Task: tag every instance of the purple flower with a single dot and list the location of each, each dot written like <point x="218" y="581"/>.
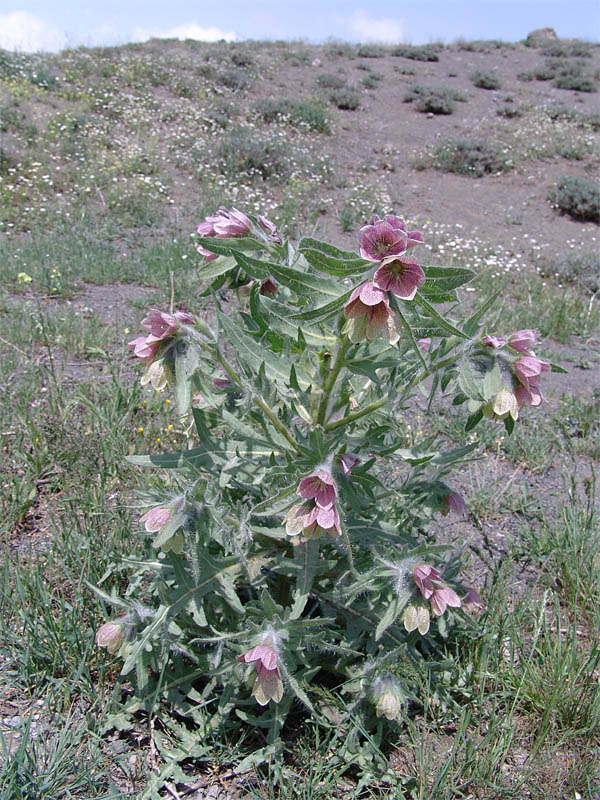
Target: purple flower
<point x="528" y="371"/>
<point x="206" y="253"/>
<point x="348" y="461"/>
<point x="268" y="684"/>
<point x="386" y="237"/>
<point x="402" y="276"/>
<point x="380" y="240"/>
<point x="144" y="349"/>
<point x="312" y="521"/>
<point x="443" y="597"/>
<point x="472" y="599"/>
<point x="156" y="519"/>
<point x="160" y="326"/>
<point x="454" y="502"/>
<point x="369" y="315"/>
<point x="227" y="224"/>
<point x="320" y="486"/>
<point x="494" y="341"/>
<point x="432" y="587"/>
<point x="524" y="341"/>
<point x="424" y="575"/>
<point x="413" y="237"/>
<point x="425" y="343"/>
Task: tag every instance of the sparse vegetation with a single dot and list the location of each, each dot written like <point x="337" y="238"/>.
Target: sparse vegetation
<point x="346" y="99"/>
<point x="577" y="196"/>
<point x="310" y="113"/>
<point x="417" y="52"/>
<point x="434" y="100"/>
<point x="474" y="157"/>
<point x="486" y="80"/>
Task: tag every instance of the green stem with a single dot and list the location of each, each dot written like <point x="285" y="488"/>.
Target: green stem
<point x="339" y="362"/>
<point x="340" y="423"/>
<point x="266" y="409"/>
<point x="272" y="416"/>
<point x="348" y="544"/>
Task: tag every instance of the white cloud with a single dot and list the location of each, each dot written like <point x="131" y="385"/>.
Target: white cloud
<point x="367" y="28"/>
<point x="191" y="30"/>
<point x="21" y="30"/>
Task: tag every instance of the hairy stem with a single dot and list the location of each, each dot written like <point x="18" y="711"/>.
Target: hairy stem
<point x="340" y="423"/>
<point x="340" y="358"/>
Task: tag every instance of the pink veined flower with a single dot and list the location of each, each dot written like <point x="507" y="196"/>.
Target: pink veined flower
<point x="425" y="343"/>
<point x="268" y="684"/>
<point x="528" y="371"/>
<point x="348" y="461"/>
<point x="530" y="395"/>
<point x="524" y="341"/>
<point x="206" y="253"/>
<point x="144" y="349"/>
<point x="270" y="227"/>
<point x="402" y="276"/>
<point x="380" y="240"/>
<point x="312" y="521"/>
<point x="156" y="519"/>
<point x="494" y="341"/>
<point x="111" y="635"/>
<point x="369" y="315"/>
<point x="472" y="599"/>
<point x="268" y="286"/>
<point x="323" y="520"/>
<point x="161" y="325"/>
<point x="432" y="587"/>
<point x="443" y="596"/>
<point x="424" y="575"/>
<point x="320" y="485"/>
<point x="227" y="224"/>
<point x="454" y="502"/>
<point x="386" y="237"/>
<point x="413" y="237"/>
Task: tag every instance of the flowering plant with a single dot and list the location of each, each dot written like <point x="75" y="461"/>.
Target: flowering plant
<point x="286" y="556"/>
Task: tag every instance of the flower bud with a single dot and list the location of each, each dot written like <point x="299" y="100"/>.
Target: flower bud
<point x="388" y="697"/>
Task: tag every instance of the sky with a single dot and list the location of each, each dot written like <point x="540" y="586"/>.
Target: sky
<point x="51" y="25"/>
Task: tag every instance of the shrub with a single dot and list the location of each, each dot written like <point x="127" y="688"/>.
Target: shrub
<point x="564" y="74"/>
<point x="249" y="153"/>
<point x="340" y="50"/>
<point x="470" y="157"/>
<point x="433" y="100"/>
<point x="297" y="112"/>
<point x="327" y="80"/>
<point x="346" y="99"/>
<point x="582" y="268"/>
<point x="567" y="49"/>
<point x="509" y="111"/>
<point x="417" y="53"/>
<point x="372" y="80"/>
<point x="486" y="80"/>
<point x="579" y="197"/>
<point x="371" y="51"/>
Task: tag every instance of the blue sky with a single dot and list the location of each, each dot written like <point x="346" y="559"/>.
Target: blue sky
<point x="53" y="24"/>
